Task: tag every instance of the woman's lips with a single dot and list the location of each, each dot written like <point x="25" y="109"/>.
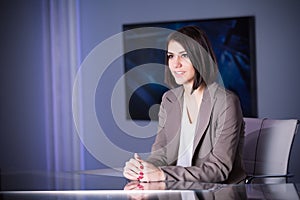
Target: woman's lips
<point x="178" y="73"/>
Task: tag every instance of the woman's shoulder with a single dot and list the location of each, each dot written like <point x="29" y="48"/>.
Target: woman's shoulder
<point x="225" y="98"/>
<point x="220" y="92"/>
<point x="173" y="94"/>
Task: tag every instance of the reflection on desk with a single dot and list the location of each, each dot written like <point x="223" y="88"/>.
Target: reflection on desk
<point x="209" y="191"/>
<point x="106" y="184"/>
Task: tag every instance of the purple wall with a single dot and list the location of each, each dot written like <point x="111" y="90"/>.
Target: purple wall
<point x="22" y="102"/>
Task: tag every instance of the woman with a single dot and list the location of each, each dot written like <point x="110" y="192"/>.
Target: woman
<point x="201" y="129"/>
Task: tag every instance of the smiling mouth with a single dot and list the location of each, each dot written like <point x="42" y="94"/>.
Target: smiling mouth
<point x="179" y="72"/>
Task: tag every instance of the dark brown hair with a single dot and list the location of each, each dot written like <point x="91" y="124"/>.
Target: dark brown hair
<point x="200" y="52"/>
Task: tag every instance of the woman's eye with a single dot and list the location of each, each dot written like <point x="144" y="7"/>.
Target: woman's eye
<point x="170" y="56"/>
<point x="185" y="55"/>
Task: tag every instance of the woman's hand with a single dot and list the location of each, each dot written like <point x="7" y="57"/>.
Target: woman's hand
<point x="138" y="169"/>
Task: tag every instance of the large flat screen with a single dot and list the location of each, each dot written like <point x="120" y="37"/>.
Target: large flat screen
<point x="233" y="41"/>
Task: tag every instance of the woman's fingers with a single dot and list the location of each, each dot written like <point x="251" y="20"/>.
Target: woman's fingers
<point x="133" y="169"/>
<point x="137" y="157"/>
<point x="133" y="165"/>
<point x="138" y="169"/>
<point x="129" y="174"/>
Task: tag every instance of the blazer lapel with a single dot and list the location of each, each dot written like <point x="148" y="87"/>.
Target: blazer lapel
<point x="174" y="111"/>
<point x="204" y="113"/>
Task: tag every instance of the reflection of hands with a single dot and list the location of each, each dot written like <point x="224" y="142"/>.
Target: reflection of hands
<point x="138" y="169"/>
<point x="136" y="185"/>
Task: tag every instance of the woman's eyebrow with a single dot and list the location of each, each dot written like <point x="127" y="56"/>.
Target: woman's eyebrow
<point x="178" y="52"/>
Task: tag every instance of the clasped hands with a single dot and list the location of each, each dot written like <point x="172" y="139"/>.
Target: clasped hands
<point x="138" y="169"/>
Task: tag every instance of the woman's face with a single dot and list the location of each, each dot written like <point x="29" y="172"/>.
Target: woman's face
<point x="180" y="65"/>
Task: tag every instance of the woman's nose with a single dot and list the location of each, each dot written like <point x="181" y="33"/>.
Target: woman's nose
<point x="176" y="62"/>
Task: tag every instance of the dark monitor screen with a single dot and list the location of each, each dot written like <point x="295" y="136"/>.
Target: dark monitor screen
<point x="233" y="41"/>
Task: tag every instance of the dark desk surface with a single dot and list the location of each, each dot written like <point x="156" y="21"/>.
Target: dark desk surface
<point x="108" y="184"/>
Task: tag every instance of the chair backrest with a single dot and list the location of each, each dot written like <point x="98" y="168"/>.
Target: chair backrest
<point x="267" y="146"/>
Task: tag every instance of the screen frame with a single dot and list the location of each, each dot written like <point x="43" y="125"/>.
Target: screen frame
<point x="252" y="54"/>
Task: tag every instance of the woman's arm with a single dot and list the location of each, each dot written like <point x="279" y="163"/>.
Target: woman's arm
<point x="218" y="163"/>
<point x="158" y="155"/>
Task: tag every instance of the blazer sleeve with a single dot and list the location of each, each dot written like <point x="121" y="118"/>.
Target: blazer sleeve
<point x="158" y="155"/>
<point x="218" y="163"/>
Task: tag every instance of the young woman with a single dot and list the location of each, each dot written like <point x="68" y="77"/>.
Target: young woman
<point x="201" y="129"/>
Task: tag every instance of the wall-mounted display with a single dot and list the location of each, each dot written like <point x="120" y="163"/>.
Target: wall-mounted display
<point x="233" y="41"/>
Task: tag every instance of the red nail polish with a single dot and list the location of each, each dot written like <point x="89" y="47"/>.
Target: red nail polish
<point x="141" y="167"/>
<point x="141" y="173"/>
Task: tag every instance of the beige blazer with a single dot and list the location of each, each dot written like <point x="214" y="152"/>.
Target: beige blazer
<point x="218" y="142"/>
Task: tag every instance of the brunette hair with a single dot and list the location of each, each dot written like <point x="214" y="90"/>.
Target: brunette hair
<point x="200" y="52"/>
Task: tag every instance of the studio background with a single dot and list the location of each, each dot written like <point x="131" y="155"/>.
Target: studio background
<point x="43" y="43"/>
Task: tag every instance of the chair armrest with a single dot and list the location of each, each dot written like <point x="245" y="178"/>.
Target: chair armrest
<point x="249" y="178"/>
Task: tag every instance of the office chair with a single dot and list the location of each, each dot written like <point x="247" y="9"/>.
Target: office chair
<point x="267" y="147"/>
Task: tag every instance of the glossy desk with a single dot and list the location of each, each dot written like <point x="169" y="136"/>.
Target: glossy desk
<point x="109" y="184"/>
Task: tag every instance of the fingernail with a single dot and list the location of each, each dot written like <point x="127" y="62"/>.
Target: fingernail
<point x="141" y="173"/>
<point x="141" y="167"/>
<point x="141" y="187"/>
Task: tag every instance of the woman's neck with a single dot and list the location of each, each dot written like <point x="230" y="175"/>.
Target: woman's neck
<point x="194" y="97"/>
<point x="196" y="92"/>
<point x="193" y="102"/>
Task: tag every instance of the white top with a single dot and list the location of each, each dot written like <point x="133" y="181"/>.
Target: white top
<point x="187" y="134"/>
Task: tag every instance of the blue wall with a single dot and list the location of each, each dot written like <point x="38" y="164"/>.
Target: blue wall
<point x="22" y="103"/>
